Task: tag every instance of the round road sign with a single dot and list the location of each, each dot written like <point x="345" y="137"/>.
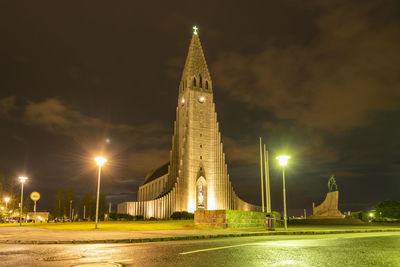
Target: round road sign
<point x="35" y="196"/>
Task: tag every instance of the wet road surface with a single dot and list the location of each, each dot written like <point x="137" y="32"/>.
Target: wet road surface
<point x="364" y="249"/>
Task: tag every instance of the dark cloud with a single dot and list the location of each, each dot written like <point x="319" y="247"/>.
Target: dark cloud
<point x="7" y="105"/>
<point x="348" y="70"/>
<point x="56" y="117"/>
<point x="142" y="162"/>
<point x="240" y="151"/>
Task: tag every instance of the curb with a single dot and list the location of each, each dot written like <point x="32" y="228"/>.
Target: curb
<point x="193" y="237"/>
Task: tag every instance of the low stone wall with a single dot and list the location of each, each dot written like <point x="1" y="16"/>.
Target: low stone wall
<point x="230" y="218"/>
<point x="210" y="218"/>
<point x="245" y="219"/>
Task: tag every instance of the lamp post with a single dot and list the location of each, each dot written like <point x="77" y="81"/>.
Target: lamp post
<point x="70" y="210"/>
<point x="100" y="162"/>
<point x="6" y="199"/>
<point x="22" y="180"/>
<point x="283" y="161"/>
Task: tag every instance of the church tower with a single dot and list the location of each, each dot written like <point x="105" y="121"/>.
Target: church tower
<point x="196" y="177"/>
<point x="195" y="149"/>
<point x="197" y="158"/>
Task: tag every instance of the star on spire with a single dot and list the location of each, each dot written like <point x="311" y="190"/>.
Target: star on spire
<point x="195" y="29"/>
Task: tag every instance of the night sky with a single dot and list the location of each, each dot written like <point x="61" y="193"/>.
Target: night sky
<point x="318" y="80"/>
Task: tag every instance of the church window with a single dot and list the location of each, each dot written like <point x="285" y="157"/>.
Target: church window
<point x="201" y="82"/>
<point x="194" y="82"/>
<point x="201" y="135"/>
<point x="206" y="84"/>
<point x="201" y="157"/>
<point x="201" y="146"/>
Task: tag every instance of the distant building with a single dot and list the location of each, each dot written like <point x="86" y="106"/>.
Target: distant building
<point x="196" y="177"/>
<point x="38" y="216"/>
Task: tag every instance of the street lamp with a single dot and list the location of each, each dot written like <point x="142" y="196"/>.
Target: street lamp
<point x="22" y="180"/>
<point x="70" y="210"/>
<point x="100" y="162"/>
<point x="6" y="199"/>
<point x="283" y="161"/>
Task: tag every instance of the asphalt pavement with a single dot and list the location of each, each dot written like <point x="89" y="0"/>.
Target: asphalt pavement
<point x="358" y="249"/>
<point x="35" y="235"/>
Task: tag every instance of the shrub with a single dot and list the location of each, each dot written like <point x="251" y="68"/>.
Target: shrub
<point x="388" y="208"/>
<point x="386" y="219"/>
<point x="182" y="215"/>
<point x="121" y="217"/>
<point x="363" y="216"/>
<point x="139" y="218"/>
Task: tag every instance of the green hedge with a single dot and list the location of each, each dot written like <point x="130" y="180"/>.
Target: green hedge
<point x="386" y="219"/>
<point x="363" y="216"/>
<point x="182" y="215"/>
<point x="125" y="217"/>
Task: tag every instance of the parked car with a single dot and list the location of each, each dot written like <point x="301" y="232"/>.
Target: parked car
<point x="10" y="220"/>
<point x="61" y="219"/>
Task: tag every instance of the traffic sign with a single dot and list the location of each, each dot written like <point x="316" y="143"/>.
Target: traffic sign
<point x="35" y="196"/>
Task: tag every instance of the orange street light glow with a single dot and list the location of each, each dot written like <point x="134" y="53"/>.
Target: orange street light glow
<point x="100" y="161"/>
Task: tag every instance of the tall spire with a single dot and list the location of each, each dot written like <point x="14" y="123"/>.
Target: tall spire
<point x="195" y="64"/>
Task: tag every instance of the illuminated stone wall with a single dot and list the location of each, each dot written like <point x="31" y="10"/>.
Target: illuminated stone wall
<point x="230" y="218"/>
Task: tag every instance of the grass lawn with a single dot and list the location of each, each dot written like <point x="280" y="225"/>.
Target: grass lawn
<point x="185" y="225"/>
<point x="114" y="226"/>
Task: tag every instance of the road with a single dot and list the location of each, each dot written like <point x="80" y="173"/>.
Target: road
<point x="365" y="249"/>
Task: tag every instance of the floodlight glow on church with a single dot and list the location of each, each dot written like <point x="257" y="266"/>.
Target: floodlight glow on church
<point x="196" y="176"/>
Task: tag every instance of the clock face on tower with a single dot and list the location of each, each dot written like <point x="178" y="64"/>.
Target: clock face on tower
<point x="202" y="99"/>
<point x="183" y="101"/>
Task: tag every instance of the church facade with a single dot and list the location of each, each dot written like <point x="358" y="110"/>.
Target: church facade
<point x="196" y="177"/>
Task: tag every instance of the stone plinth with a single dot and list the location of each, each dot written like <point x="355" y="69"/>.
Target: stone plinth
<point x="328" y="208"/>
<point x="229" y="218"/>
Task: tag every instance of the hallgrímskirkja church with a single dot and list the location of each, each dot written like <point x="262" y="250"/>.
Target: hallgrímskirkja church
<point x="196" y="177"/>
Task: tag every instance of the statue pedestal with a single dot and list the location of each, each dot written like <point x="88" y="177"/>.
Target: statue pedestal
<point x="329" y="208"/>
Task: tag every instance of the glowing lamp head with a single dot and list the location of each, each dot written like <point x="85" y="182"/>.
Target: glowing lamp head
<point x="22" y="179"/>
<point x="371" y="214"/>
<point x="100" y="161"/>
<point x="283" y="160"/>
<point x="6" y="199"/>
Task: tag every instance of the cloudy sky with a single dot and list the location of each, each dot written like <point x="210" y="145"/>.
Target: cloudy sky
<point x="319" y="80"/>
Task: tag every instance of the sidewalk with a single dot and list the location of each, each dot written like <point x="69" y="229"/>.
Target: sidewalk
<point x="30" y="235"/>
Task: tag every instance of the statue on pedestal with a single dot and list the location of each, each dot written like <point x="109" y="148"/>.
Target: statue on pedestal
<point x="332" y="186"/>
<point x="329" y="208"/>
